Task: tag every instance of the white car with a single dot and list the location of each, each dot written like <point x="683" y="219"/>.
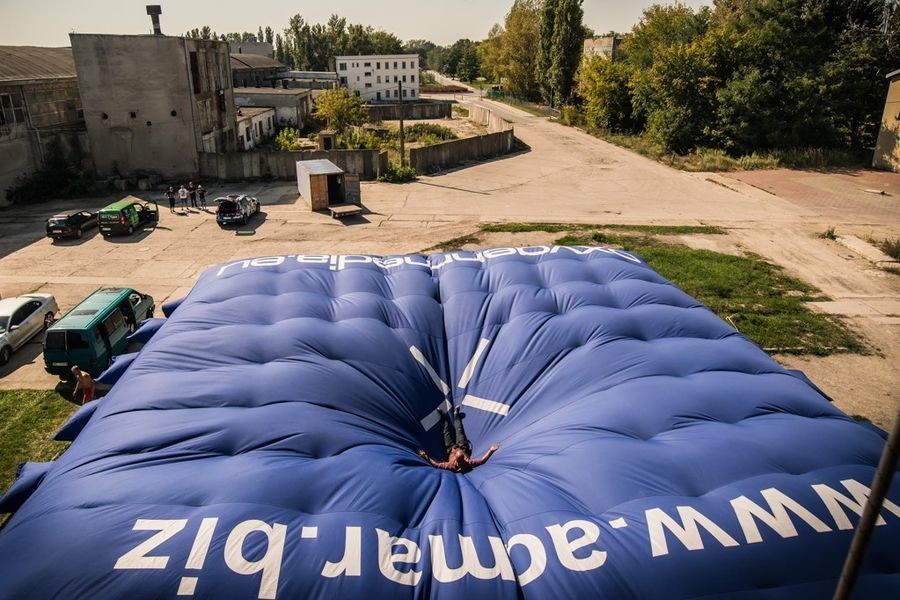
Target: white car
<point x="22" y="318"/>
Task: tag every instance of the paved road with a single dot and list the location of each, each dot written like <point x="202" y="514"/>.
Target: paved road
<point x="566" y="176"/>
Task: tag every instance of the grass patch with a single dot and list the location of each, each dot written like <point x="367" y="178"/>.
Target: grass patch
<point x="711" y="159"/>
<point x="829" y="234"/>
<point x="462" y="111"/>
<point x="453" y="245"/>
<point x="891" y="247"/>
<point x="27" y="420"/>
<point x="531" y="108"/>
<point x="558" y="227"/>
<point x="754" y="296"/>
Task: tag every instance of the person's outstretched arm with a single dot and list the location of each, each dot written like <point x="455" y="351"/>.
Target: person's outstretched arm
<point x="434" y="463"/>
<point x="487" y="455"/>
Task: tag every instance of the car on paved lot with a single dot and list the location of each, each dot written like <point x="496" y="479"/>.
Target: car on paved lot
<point x="22" y="318"/>
<point x="236" y="208"/>
<point x="126" y="215"/>
<point x="71" y="224"/>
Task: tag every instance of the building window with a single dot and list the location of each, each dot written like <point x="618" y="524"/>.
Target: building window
<point x="344" y="80"/>
<point x="368" y="73"/>
<point x="404" y="93"/>
<point x="357" y="77"/>
<point x="403" y="64"/>
<point x="378" y="65"/>
<point x="395" y="64"/>
<point x="368" y="85"/>
<point x="368" y="64"/>
<point x="195" y="72"/>
<point x="395" y="79"/>
<point x="412" y="93"/>
<point x="404" y="79"/>
<point x="343" y="66"/>
<point x="412" y="78"/>
<point x="378" y="95"/>
<point x="378" y="79"/>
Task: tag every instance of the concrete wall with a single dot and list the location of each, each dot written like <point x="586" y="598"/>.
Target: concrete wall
<point x="43" y="112"/>
<point x="283" y="165"/>
<point x="154" y="77"/>
<point x="500" y="141"/>
<point x="887" y="149"/>
<point x="423" y="109"/>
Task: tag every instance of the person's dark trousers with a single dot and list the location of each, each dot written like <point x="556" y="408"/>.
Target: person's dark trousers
<point x="454" y="435"/>
<point x="193" y="199"/>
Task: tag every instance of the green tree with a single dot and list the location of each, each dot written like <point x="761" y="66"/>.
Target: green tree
<point x="544" y="59"/>
<point x="568" y="42"/>
<point x="604" y="87"/>
<point x="340" y="108"/>
<point x="420" y="47"/>
<point x="520" y="44"/>
<point x="468" y="67"/>
<point x="490" y="54"/>
<point x="269" y="35"/>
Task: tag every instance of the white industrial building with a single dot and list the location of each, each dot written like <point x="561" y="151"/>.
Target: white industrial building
<point x="376" y="78"/>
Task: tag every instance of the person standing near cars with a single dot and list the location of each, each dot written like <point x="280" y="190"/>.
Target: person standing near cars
<point x="170" y="196"/>
<point x="201" y="191"/>
<point x="183" y="196"/>
<point x="193" y="193"/>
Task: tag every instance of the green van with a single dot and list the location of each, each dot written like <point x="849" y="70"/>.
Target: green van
<point x="93" y="332"/>
<point x="126" y="215"/>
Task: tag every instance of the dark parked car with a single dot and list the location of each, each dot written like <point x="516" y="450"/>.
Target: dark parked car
<point x="71" y="224"/>
<point x="236" y="209"/>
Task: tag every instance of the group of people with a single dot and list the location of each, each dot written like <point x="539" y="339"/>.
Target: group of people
<point x="196" y="194"/>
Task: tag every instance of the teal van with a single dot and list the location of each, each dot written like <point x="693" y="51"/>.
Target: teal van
<point x="93" y="332"/>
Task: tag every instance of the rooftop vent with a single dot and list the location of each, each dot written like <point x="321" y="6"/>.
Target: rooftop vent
<point x="154" y="10"/>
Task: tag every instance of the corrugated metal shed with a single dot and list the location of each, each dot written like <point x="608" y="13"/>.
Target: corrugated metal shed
<point x="320" y="167"/>
<point x="28" y="63"/>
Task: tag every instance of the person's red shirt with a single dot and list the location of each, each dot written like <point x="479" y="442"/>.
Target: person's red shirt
<point x="459" y="461"/>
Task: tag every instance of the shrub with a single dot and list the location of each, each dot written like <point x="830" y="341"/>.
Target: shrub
<point x="288" y="140"/>
<point x="570" y="115"/>
<point x="891" y="247"/>
<point x="429" y="132"/>
<point x="396" y="173"/>
<point x="829" y="234"/>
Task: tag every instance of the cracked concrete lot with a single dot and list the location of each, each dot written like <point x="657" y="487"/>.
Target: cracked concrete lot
<point x="567" y="176"/>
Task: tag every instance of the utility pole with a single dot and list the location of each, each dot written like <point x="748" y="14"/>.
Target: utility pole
<point x="402" y="141"/>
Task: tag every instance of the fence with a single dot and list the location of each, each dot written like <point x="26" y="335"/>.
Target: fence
<point x="368" y="164"/>
<point x="500" y="141"/>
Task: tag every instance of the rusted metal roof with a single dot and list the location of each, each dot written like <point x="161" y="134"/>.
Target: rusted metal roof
<point x="243" y="62"/>
<point x="28" y="63"/>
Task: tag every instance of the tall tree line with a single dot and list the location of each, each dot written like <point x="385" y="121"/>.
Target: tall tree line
<point x="748" y="75"/>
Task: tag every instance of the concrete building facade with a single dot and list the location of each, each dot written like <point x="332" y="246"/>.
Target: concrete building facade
<point x="887" y="148"/>
<point x="254" y="125"/>
<point x="152" y="103"/>
<point x="605" y="47"/>
<point x="292" y="106"/>
<point x="376" y="77"/>
<point x="39" y="107"/>
<point x="260" y="48"/>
